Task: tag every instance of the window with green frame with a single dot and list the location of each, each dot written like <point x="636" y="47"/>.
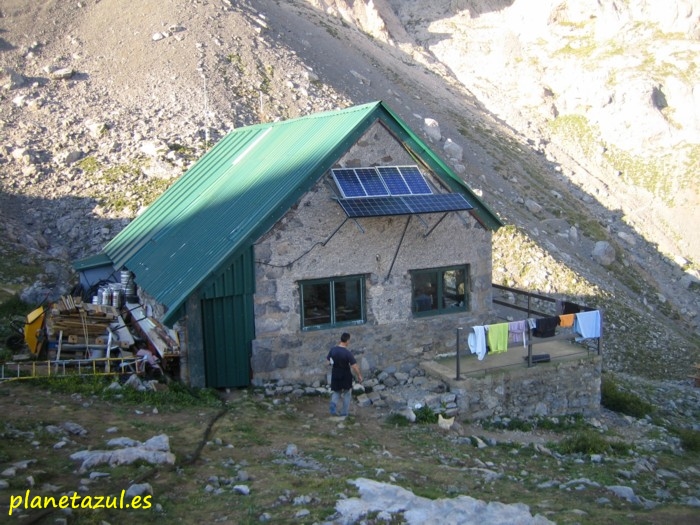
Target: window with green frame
<point x="440" y="290"/>
<point x="336" y="301"/>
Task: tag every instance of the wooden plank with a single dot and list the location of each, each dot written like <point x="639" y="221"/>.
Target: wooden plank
<point x="80" y="339"/>
<point x="79" y="317"/>
<point x="122" y="331"/>
<point x="121" y="335"/>
<point x="160" y="339"/>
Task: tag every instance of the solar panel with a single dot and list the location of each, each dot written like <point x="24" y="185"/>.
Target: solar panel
<point x="371" y="182"/>
<point x="380" y="181"/>
<point x="348" y="183"/>
<point x="415" y="180"/>
<point x="393" y="180"/>
<point x="374" y="206"/>
<point x="437" y="202"/>
<point x="405" y="205"/>
<point x="391" y="190"/>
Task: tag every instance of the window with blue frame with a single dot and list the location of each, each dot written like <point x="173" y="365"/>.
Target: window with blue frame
<point x="440" y="290"/>
<point x="332" y="302"/>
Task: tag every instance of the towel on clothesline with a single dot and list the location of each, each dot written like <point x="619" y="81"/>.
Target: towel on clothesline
<point x="546" y="326"/>
<point x="587" y="324"/>
<point x="477" y="342"/>
<point x="497" y="335"/>
<point x="517" y="331"/>
<point x="566" y="320"/>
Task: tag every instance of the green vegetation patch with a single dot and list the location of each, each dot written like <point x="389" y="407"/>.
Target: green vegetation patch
<point x="659" y="175"/>
<point x="425" y="415"/>
<point x="397" y="420"/>
<point x="552" y="423"/>
<point x="175" y="394"/>
<point x="576" y="129"/>
<point x="615" y="399"/>
<point x="141" y="192"/>
<point x="590" y="442"/>
<point x="89" y="165"/>
<point x="690" y="439"/>
<point x="13" y="314"/>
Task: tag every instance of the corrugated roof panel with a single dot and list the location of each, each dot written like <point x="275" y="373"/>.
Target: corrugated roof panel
<point x="181" y="198"/>
<point x="93" y="261"/>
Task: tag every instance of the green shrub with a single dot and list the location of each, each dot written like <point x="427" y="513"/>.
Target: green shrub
<point x="425" y="414"/>
<point x="690" y="439"/>
<point x="14" y="306"/>
<point x="5" y="355"/>
<point x="512" y="424"/>
<point x="617" y="400"/>
<point x="562" y="423"/>
<point x="397" y="420"/>
<point x="586" y="442"/>
<point x="521" y="424"/>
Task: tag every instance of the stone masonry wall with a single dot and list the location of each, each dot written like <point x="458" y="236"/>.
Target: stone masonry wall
<point x="316" y="240"/>
<point x="552" y="389"/>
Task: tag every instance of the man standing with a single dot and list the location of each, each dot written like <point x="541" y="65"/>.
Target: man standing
<point x="344" y="365"/>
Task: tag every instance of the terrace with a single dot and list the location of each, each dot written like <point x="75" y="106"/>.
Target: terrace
<point x="555" y="374"/>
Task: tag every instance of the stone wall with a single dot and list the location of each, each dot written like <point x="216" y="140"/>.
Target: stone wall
<point x="551" y="389"/>
<point x="316" y="240"/>
<point x="564" y="387"/>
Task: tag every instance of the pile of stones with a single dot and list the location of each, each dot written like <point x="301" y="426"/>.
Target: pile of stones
<point x="394" y="390"/>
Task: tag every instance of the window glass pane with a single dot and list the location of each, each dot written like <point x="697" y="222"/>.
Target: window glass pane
<point x="332" y="302"/>
<point x="441" y="290"/>
<point x="425" y="286"/>
<point x="453" y="286"/>
<point x="348" y="300"/>
<point x="317" y="303"/>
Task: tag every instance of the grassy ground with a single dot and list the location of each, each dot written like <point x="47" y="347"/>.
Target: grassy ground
<point x="245" y="438"/>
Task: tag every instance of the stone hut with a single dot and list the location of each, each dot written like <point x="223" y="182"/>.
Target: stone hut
<point x="286" y="234"/>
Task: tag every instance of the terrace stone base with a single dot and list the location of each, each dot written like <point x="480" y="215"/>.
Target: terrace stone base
<point x="568" y="386"/>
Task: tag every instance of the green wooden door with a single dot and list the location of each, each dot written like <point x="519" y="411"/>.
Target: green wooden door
<point x="226" y="323"/>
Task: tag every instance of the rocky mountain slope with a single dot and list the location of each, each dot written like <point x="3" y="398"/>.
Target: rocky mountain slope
<point x="105" y="102"/>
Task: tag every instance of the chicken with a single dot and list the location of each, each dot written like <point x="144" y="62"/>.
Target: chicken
<point x="445" y="423"/>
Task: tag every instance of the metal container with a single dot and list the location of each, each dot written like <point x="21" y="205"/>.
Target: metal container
<point x="125" y="277"/>
<point x="117" y="297"/>
<point x="128" y="286"/>
<point x="106" y="296"/>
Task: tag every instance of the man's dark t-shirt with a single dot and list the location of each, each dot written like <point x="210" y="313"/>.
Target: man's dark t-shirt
<point x="341" y="375"/>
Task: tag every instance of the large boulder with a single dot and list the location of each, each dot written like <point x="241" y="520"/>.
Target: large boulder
<point x="603" y="253"/>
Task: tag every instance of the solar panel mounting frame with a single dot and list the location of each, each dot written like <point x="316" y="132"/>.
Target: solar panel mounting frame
<point x="391" y="190"/>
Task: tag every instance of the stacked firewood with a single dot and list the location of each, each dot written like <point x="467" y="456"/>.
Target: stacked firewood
<point x="78" y="322"/>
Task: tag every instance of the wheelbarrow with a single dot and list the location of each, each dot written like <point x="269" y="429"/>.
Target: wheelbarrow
<point x="30" y="332"/>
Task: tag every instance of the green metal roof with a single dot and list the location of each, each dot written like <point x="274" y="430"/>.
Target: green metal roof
<point x="240" y="188"/>
<point x="93" y="261"/>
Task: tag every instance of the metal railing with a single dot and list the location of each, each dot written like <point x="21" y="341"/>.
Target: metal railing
<point x="534" y="305"/>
